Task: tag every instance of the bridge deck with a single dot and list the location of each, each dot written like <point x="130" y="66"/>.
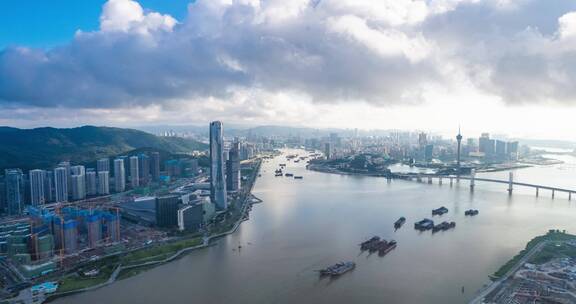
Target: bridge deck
<point x="491" y="180"/>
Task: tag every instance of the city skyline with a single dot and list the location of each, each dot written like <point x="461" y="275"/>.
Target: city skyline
<point x="424" y="63"/>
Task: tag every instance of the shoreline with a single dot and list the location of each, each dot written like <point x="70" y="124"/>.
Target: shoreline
<point x="249" y="201"/>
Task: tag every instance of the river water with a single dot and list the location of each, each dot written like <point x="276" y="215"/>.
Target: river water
<point x="304" y="225"/>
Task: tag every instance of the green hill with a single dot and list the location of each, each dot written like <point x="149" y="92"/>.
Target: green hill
<point x="45" y="147"/>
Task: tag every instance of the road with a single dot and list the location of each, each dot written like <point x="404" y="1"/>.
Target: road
<point x="479" y="298"/>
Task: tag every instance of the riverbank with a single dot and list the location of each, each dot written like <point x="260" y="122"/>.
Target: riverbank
<point x="136" y="262"/>
<point x="534" y="252"/>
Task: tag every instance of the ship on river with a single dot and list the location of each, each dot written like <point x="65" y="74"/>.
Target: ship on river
<point x="337" y="269"/>
<point x="399" y="222"/>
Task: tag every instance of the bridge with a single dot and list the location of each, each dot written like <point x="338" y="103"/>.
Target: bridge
<point x="473" y="179"/>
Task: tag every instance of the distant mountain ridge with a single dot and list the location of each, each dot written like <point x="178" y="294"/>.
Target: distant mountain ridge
<point x="45" y="147"/>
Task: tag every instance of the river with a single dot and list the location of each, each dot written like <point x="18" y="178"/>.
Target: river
<point x="304" y="225"/>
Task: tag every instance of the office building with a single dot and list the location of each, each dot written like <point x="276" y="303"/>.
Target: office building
<point x="119" y="175"/>
<point x="61" y="184"/>
<point x="103" y="183"/>
<point x="91" y="183"/>
<point x="500" y="149"/>
<point x="155" y="166"/>
<point x="217" y="178"/>
<point x="167" y="211"/>
<point x="233" y="168"/>
<point x="14" y="191"/>
<point x="134" y="175"/>
<point x="190" y="217"/>
<point x="103" y="164"/>
<point x="37" y="192"/>
<point x="486" y="145"/>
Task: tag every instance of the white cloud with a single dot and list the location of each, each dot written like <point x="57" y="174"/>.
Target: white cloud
<point x="257" y="59"/>
<point x="128" y="16"/>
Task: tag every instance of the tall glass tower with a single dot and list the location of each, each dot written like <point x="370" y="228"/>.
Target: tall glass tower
<point x="217" y="178"/>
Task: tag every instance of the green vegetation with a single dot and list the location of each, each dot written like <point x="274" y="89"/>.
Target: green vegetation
<point x="45" y="147"/>
<point x="553" y="251"/>
<point x="552" y="235"/>
<point x="79" y="281"/>
<point x="126" y="273"/>
<point x="159" y="253"/>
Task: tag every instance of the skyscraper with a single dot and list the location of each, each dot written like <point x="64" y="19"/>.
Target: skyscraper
<point x="119" y="175"/>
<point x="103" y="164"/>
<point x="103" y="183"/>
<point x="217" y="182"/>
<point x="61" y="184"/>
<point x="155" y="166"/>
<point x="134" y="175"/>
<point x="233" y="168"/>
<point x="14" y="191"/>
<point x="37" y="192"/>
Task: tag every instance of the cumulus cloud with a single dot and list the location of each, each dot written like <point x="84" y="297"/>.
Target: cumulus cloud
<point x="385" y="52"/>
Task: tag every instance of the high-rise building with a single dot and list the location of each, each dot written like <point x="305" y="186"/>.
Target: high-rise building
<point x="134" y="175"/>
<point x="37" y="182"/>
<point x="77" y="170"/>
<point x="103" y="183"/>
<point x="91" y="182"/>
<point x="167" y="211"/>
<point x="103" y="164"/>
<point x="328" y="150"/>
<point x="66" y="165"/>
<point x="119" y="175"/>
<point x="61" y="184"/>
<point x="500" y="148"/>
<point x="49" y="186"/>
<point x="486" y="145"/>
<point x="78" y="187"/>
<point x="233" y="168"/>
<point x="14" y="191"/>
<point x="155" y="166"/>
<point x="428" y="152"/>
<point x="94" y="229"/>
<point x="217" y="180"/>
<point x="143" y="169"/>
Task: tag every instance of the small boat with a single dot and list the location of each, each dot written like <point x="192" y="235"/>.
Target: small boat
<point x="288" y="174"/>
<point x="399" y="222"/>
<point x="425" y="224"/>
<point x="389" y="247"/>
<point x="369" y="243"/>
<point x="471" y="212"/>
<point x="298" y="177"/>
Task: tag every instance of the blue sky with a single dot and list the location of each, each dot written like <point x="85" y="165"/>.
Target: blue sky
<point x="45" y="23"/>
